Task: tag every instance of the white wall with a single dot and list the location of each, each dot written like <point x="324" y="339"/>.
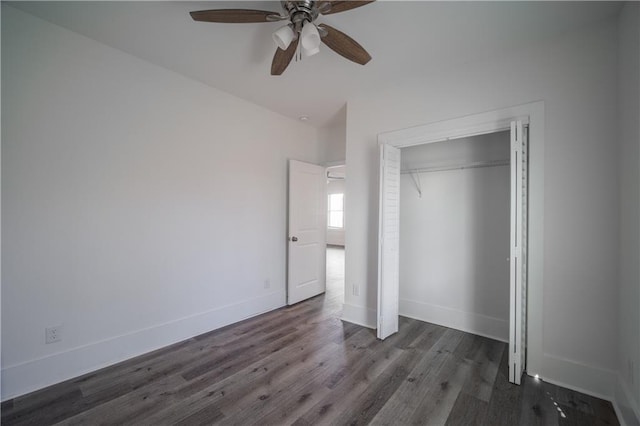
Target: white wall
<point x="454" y="238"/>
<point x="332" y="139"/>
<point x="139" y="207"/>
<point x="628" y="393"/>
<point x="576" y="79"/>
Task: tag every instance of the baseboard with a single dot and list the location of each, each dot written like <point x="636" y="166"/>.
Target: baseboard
<point x="481" y="325"/>
<point x="359" y="315"/>
<point x="584" y="378"/>
<point x="626" y="406"/>
<point x="36" y="374"/>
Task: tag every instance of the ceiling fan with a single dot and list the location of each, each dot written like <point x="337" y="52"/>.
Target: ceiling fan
<point x="301" y="29"/>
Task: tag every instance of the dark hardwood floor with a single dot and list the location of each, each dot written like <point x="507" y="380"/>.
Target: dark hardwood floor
<point x="301" y="365"/>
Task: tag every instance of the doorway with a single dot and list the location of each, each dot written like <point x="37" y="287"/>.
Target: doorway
<point x="315" y="251"/>
<point x="336" y="228"/>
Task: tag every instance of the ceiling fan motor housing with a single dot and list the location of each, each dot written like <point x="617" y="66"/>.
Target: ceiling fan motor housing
<point x="301" y="11"/>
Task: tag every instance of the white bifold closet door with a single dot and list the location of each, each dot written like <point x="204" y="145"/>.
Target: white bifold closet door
<point x="517" y="263"/>
<point x="389" y="241"/>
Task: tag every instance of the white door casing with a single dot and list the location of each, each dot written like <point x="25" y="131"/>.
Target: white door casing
<point x="389" y="241"/>
<point x="518" y="243"/>
<point x="306" y="275"/>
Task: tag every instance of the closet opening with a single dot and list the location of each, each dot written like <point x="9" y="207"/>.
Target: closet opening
<point x="453" y="235"/>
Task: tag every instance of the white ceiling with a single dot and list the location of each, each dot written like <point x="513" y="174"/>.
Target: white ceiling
<point x="407" y="40"/>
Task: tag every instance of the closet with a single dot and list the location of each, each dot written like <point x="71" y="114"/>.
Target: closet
<point x="454" y="234"/>
<point x="453" y="229"/>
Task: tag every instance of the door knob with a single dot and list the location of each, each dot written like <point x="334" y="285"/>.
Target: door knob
<point x="294" y="239"/>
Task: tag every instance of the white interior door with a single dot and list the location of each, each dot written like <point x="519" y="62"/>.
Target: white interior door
<point x="307" y="231"/>
<point x="389" y="241"/>
<point x="517" y="267"/>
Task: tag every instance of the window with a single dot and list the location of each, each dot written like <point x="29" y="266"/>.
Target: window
<point x="336" y="210"/>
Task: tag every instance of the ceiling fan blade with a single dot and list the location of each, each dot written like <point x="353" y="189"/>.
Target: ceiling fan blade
<point x="338" y="6"/>
<point x="232" y="16"/>
<point x="282" y="58"/>
<point x="344" y="45"/>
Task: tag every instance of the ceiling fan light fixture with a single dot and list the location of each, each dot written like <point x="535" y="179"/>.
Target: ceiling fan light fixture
<point x="283" y="37"/>
<point x="310" y="39"/>
<point x="310" y="52"/>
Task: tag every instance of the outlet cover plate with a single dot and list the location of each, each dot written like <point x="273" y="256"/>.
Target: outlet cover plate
<point x="53" y="334"/>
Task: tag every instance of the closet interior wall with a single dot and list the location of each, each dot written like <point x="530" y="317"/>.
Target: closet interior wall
<point x="454" y="234"/>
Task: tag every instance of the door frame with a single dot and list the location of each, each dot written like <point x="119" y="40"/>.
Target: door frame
<point x="491" y="122"/>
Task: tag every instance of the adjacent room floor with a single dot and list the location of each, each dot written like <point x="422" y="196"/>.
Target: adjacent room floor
<point x="302" y="365"/>
<point x="335" y="275"/>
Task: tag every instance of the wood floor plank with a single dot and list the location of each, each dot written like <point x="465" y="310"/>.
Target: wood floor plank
<point x="298" y="341"/>
<point x="537" y="405"/>
<point x="203" y="417"/>
<point x="287" y="409"/>
<point x="41" y="410"/>
<point x="569" y="416"/>
<point x="408" y="335"/>
<point x="467" y="411"/>
<point x="505" y="402"/>
<point x="131" y="408"/>
<point x="348" y="329"/>
<point x="430" y="335"/>
<point x="484" y="369"/>
<point x="205" y="390"/>
<point x="133" y="372"/>
<point x="287" y="390"/>
<point x="7" y="405"/>
<point x="440" y="398"/>
<point x="213" y="359"/>
<point x="405" y="401"/>
<point x="134" y="376"/>
<point x="367" y="405"/>
<point x="350" y="387"/>
<point x="595" y="408"/>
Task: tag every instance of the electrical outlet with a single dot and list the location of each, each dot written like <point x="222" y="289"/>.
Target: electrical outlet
<point x="267" y="284"/>
<point x="53" y="334"/>
<point x="356" y="290"/>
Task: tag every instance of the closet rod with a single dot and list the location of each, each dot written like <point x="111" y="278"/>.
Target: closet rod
<point x="476" y="165"/>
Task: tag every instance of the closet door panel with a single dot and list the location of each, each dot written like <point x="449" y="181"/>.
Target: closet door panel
<point x="389" y="241"/>
<point x="517" y="267"/>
